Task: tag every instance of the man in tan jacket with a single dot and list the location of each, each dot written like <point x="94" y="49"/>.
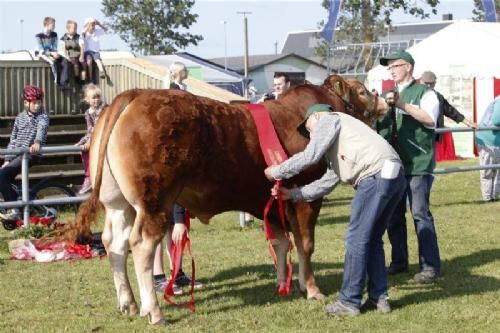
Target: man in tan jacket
<point x="356" y="155"/>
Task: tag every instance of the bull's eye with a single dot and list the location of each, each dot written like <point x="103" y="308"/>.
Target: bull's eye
<point x="362" y="93"/>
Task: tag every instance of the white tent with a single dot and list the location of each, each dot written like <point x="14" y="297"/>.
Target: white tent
<point x="459" y="53"/>
<point x="463" y="49"/>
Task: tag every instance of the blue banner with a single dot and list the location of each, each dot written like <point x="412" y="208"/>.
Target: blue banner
<point x="490" y="14"/>
<point x="328" y="32"/>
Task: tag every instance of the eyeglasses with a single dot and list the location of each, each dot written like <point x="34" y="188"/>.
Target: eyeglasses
<point x="391" y="67"/>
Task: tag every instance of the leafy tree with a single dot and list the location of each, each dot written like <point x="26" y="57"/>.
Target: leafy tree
<point x="152" y="26"/>
<point x="364" y="21"/>
<point x="478" y="10"/>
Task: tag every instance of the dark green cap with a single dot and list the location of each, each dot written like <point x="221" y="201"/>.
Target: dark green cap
<point x="313" y="109"/>
<point x="398" y="54"/>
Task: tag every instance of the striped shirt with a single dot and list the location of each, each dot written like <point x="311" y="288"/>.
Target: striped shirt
<point x="28" y="129"/>
<point x="91" y="116"/>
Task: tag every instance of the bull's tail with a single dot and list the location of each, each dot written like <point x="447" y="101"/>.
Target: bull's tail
<point x="87" y="213"/>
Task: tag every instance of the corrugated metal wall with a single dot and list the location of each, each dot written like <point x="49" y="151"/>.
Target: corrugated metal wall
<point x="15" y="75"/>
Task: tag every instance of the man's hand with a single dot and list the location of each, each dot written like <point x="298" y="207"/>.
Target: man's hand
<point x="178" y="233"/>
<point x="470" y="123"/>
<point x="268" y="173"/>
<point x="392" y="98"/>
<point x="35" y="148"/>
<point x="86" y="146"/>
<point x="5" y="164"/>
<point x="285" y="193"/>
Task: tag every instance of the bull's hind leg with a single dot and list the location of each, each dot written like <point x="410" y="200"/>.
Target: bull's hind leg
<point x="115" y="237"/>
<point x="302" y="221"/>
<point x="143" y="248"/>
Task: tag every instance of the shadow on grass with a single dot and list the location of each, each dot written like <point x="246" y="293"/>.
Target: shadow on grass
<point x="252" y="292"/>
<point x="335" y="202"/>
<point x="463" y="202"/>
<point x="326" y="219"/>
<point x="457" y="280"/>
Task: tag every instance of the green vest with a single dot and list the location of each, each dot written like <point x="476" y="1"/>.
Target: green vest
<point x="413" y="141"/>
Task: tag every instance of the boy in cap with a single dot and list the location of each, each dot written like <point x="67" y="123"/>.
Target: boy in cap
<point x="412" y="124"/>
<point x="356" y="155"/>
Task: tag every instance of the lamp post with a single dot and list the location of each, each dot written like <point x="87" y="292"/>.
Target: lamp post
<point x="245" y="27"/>
<point x="225" y="44"/>
<point x="21" y="21"/>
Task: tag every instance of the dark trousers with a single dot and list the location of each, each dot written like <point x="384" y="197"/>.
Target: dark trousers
<point x="364" y="258"/>
<point x="418" y="191"/>
<point x="7" y="175"/>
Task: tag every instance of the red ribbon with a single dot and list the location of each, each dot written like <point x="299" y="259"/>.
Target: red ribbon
<point x="176" y="254"/>
<point x="273" y="154"/>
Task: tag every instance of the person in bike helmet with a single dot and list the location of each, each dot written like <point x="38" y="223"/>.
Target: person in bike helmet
<point x="29" y="131"/>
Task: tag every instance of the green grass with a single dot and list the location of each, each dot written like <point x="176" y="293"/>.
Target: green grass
<point x="239" y="293"/>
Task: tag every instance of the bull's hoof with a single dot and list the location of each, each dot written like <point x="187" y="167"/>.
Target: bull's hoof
<point x="317" y="297"/>
<point x="160" y="322"/>
<point x="129" y="309"/>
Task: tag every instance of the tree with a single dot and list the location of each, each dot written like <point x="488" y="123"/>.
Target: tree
<point x="152" y="26"/>
<point x="364" y="21"/>
<point x="478" y="10"/>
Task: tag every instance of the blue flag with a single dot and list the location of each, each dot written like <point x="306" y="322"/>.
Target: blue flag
<point x="328" y="32"/>
<point x="490" y="14"/>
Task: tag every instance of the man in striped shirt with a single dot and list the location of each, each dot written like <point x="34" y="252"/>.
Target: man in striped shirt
<point x="30" y="131"/>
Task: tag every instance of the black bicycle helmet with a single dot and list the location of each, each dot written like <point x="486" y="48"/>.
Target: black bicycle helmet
<point x="32" y="93"/>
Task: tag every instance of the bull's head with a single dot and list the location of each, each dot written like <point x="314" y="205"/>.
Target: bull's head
<point x="358" y="100"/>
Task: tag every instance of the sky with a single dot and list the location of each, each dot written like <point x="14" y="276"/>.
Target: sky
<point x="268" y="23"/>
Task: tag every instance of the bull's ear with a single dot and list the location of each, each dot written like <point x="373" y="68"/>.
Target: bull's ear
<point x="342" y="89"/>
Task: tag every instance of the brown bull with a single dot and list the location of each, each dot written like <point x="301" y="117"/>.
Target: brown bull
<point x="152" y="148"/>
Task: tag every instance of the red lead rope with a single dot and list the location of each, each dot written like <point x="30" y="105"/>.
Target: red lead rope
<point x="176" y="254"/>
<point x="273" y="154"/>
<point x="284" y="287"/>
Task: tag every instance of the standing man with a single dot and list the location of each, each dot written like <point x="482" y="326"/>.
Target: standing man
<point x="411" y="131"/>
<point x="488" y="143"/>
<point x="355" y="155"/>
<point x="445" y="108"/>
<point x="281" y="83"/>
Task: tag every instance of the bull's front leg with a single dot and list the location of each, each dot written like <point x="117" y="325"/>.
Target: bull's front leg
<point x="302" y="217"/>
<point x="280" y="246"/>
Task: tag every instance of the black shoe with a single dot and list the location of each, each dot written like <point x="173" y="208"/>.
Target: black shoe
<point x="426" y="276"/>
<point x="382" y="305"/>
<point x="397" y="269"/>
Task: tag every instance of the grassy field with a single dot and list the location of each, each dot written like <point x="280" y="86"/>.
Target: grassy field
<point x="239" y="293"/>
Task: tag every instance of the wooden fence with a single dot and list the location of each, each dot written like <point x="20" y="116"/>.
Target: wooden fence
<point x="122" y="74"/>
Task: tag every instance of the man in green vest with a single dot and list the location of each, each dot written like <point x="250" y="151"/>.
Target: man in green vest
<point x="410" y="129"/>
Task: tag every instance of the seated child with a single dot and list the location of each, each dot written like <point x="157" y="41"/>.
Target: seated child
<point x="92" y="95"/>
<point x="92" y="31"/>
<point x="47" y="46"/>
<point x="73" y="50"/>
<point x="30" y="131"/>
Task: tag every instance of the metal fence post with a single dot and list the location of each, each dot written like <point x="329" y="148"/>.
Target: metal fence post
<point x="25" y="188"/>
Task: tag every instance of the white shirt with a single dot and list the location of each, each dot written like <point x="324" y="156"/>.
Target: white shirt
<point x="91" y="40"/>
<point x="429" y="103"/>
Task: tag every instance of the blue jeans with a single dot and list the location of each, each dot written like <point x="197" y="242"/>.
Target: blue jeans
<point x="372" y="207"/>
<point x="418" y="191"/>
